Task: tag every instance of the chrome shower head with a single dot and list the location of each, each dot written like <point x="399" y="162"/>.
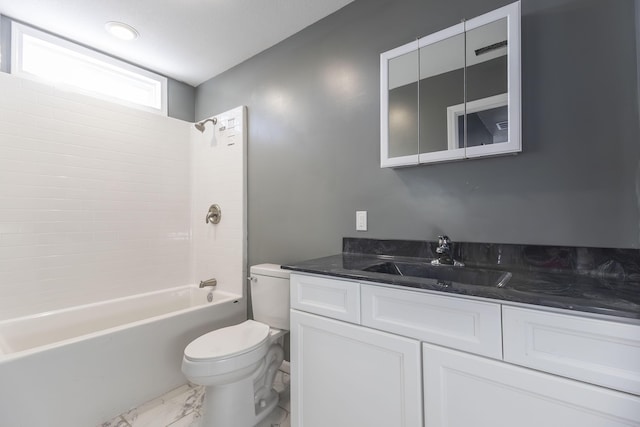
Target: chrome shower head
<point x="200" y="125"/>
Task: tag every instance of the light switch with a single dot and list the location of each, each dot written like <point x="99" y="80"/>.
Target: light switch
<point x="361" y="220"/>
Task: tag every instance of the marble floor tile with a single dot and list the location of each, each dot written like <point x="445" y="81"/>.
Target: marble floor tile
<point x="167" y="409"/>
<point x="116" y="422"/>
<point x="191" y="420"/>
<point x="182" y="407"/>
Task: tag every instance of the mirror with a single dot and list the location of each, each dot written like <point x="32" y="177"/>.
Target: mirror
<point x="454" y="94"/>
<point x="442" y="72"/>
<point x="403" y="105"/>
<point x="486" y="110"/>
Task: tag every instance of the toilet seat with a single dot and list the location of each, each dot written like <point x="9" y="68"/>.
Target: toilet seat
<point x="227" y="349"/>
<point x="227" y="342"/>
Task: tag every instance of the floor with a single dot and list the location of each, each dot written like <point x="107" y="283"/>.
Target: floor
<point x="182" y="408"/>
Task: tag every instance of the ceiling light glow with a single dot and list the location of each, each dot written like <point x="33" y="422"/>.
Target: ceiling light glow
<point x="121" y="30"/>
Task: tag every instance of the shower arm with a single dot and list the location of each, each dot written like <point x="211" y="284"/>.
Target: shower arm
<point x="200" y="125"/>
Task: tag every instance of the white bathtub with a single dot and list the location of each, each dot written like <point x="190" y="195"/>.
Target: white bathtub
<point x="81" y="366"/>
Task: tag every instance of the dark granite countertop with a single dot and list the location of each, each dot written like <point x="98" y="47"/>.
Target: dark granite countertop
<point x="609" y="290"/>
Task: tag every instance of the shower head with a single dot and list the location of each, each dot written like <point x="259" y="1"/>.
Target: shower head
<point x="200" y="125"/>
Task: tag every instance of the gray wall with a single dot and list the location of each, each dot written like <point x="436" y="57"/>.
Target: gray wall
<point x="313" y="103"/>
<point x="181" y="101"/>
<point x="5" y="44"/>
<point x="638" y="46"/>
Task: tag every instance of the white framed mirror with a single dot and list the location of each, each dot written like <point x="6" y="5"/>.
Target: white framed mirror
<point x="454" y="94"/>
<point x="493" y="105"/>
<point x="400" y="127"/>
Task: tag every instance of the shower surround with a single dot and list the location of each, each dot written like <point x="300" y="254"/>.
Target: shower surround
<point x="94" y="199"/>
<point x="99" y="202"/>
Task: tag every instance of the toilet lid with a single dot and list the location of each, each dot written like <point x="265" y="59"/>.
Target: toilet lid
<point x="228" y="341"/>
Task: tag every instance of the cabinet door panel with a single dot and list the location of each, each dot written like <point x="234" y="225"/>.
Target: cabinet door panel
<point x="463" y="324"/>
<point x="462" y="390"/>
<point x="344" y="375"/>
<point x="592" y="350"/>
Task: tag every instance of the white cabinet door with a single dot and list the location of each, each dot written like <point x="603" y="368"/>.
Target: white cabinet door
<point x="463" y="390"/>
<point x="343" y="375"/>
<point x="598" y="351"/>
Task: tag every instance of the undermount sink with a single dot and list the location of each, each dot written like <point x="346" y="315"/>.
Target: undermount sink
<point x="442" y="273"/>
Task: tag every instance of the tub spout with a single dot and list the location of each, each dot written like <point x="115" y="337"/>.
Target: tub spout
<point x="210" y="282"/>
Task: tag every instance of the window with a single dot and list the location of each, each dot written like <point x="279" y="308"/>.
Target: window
<point x="38" y="55"/>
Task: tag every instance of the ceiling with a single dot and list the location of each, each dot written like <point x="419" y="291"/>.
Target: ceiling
<point x="187" y="40"/>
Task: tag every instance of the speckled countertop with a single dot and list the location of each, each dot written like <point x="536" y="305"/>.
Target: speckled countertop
<point x="596" y="280"/>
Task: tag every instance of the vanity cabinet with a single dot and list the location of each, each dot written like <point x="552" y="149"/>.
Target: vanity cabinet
<point x="454" y="94"/>
<point x="343" y="374"/>
<point x="365" y="354"/>
<point x="462" y="390"/>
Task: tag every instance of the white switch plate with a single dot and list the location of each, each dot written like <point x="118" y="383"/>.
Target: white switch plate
<point x="361" y="220"/>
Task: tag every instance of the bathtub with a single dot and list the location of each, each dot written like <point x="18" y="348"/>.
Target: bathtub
<point x="81" y="366"/>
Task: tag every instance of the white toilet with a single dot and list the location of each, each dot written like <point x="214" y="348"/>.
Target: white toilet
<point x="237" y="364"/>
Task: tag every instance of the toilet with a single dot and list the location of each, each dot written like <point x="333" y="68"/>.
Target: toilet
<point x="237" y="364"/>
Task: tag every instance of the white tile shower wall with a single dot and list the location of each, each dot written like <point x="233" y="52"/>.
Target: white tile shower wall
<point x="218" y="177"/>
<point x="94" y="199"/>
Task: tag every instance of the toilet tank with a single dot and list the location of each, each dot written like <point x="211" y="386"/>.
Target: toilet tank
<point x="270" y="295"/>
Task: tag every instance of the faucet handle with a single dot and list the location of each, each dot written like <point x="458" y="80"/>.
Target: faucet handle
<point x="444" y="245"/>
<point x="444" y="253"/>
<point x="213" y="214"/>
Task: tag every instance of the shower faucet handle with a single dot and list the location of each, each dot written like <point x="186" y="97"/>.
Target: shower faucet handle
<point x="213" y="215"/>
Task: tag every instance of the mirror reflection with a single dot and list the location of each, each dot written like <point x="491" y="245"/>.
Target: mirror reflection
<point x="403" y="105"/>
<point x="430" y="114"/>
<point x="487" y="120"/>
<point x="441" y="85"/>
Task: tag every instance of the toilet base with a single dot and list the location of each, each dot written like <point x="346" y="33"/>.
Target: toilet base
<point x="247" y="402"/>
<point x="223" y="407"/>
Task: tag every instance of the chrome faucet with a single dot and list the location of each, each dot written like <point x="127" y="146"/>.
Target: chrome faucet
<point x="444" y="252"/>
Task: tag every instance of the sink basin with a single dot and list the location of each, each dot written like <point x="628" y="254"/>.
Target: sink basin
<point x="442" y="273"/>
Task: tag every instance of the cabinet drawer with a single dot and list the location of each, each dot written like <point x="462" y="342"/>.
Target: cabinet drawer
<point x="472" y="326"/>
<point x="592" y="350"/>
<point x="337" y="299"/>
